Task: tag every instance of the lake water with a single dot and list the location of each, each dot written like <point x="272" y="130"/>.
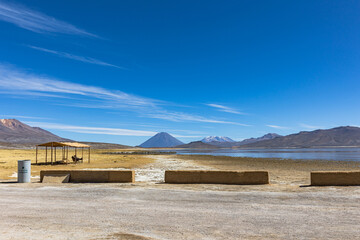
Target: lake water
<point x="338" y="154"/>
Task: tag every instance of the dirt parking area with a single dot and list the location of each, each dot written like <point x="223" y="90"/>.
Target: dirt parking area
<point x="163" y="211"/>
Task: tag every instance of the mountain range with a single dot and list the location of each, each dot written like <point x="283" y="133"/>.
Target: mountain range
<point x="340" y="136"/>
<point x="16" y="133"/>
<point x="334" y="137"/>
<point x="226" y="142"/>
<point x="166" y="140"/>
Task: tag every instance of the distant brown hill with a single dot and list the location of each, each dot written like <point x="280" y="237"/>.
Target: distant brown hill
<point x="15" y="134"/>
<point x="197" y="144"/>
<point x="340" y="136"/>
<point x="253" y="140"/>
<point x="99" y="145"/>
<point x="13" y="131"/>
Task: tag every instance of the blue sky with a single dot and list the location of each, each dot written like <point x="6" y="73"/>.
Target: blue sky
<point x="120" y="71"/>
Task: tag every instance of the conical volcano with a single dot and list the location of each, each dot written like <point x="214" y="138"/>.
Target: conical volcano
<point x="162" y="139"/>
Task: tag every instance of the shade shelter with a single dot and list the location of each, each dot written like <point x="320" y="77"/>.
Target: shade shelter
<point x="64" y="150"/>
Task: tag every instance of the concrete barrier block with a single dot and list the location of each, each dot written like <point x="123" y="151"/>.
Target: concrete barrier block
<point x="56" y="178"/>
<point x="217" y="177"/>
<point x="93" y="176"/>
<point x="340" y="178"/>
<point x="44" y="173"/>
<point x="122" y="176"/>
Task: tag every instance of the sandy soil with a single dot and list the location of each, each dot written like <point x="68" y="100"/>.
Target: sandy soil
<point x="148" y="209"/>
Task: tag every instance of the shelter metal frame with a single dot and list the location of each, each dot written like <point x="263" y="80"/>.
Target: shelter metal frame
<point x="65" y="150"/>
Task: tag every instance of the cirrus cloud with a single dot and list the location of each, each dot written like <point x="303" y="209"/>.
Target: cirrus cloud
<point x="98" y="130"/>
<point x="76" y="57"/>
<point x="38" y="22"/>
<point x="223" y="108"/>
<point x="16" y="80"/>
<point x="277" y="127"/>
<point x="19" y="83"/>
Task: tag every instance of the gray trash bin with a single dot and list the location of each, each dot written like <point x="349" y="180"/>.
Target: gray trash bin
<point x="24" y="171"/>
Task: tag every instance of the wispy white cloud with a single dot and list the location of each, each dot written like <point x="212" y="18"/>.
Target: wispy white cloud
<point x="22" y="117"/>
<point x="36" y="21"/>
<point x="15" y="80"/>
<point x="223" y="108"/>
<point x="91" y="130"/>
<point x="183" y="117"/>
<point x="76" y="57"/>
<point x="98" y="130"/>
<point x="22" y="94"/>
<point x="309" y="126"/>
<point x="278" y="127"/>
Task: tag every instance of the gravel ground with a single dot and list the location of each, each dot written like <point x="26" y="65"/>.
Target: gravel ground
<point x="149" y="209"/>
<point x="165" y="211"/>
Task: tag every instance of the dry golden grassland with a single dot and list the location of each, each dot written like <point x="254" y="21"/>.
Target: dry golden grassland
<point x="9" y="158"/>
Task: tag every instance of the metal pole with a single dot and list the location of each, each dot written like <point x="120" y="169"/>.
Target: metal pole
<point x="36" y="153"/>
<point x="52" y="153"/>
<point x="46" y="154"/>
<point x="89" y="156"/>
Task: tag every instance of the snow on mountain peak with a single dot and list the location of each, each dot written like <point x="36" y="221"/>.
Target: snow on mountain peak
<point x="210" y="139"/>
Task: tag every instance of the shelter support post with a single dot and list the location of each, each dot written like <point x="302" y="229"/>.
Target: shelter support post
<point x="36" y="153"/>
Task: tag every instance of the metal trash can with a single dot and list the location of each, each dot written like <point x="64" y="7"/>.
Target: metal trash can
<point x="24" y="171"/>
